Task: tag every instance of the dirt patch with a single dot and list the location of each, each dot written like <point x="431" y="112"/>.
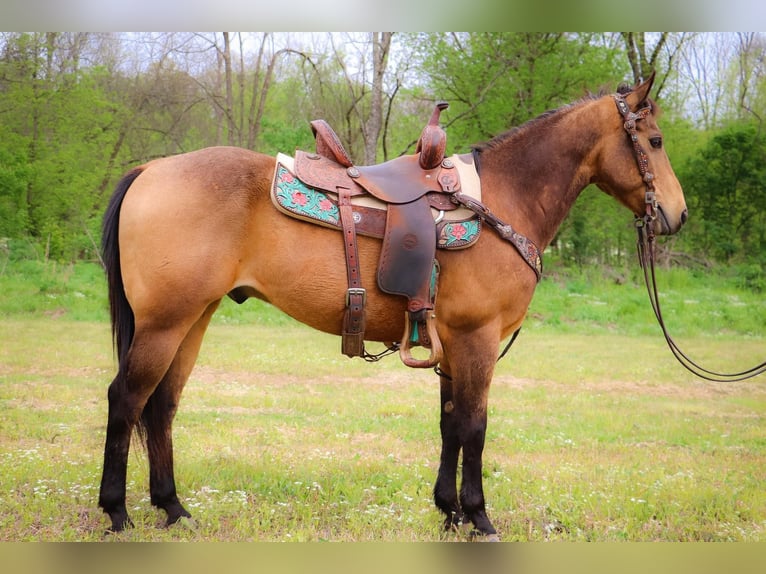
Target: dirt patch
<point x="209" y="375"/>
<point x="698" y="390"/>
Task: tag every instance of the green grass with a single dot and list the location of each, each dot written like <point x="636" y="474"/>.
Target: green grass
<point x="593" y="300"/>
<point x="693" y="303"/>
<point x="595" y="433"/>
<point x="349" y="451"/>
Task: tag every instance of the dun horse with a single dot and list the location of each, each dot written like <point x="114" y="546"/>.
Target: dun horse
<point x="182" y="232"/>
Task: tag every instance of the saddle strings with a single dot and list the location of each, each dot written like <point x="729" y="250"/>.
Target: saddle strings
<point x="375" y="357"/>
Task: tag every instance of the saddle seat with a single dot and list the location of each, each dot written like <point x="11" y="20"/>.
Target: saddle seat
<point x="409" y="186"/>
<point x="431" y="144"/>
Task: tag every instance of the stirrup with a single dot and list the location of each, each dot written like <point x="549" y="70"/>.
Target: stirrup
<point x="429" y="340"/>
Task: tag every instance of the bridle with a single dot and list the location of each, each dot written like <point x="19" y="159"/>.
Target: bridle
<point x="646" y="253"/>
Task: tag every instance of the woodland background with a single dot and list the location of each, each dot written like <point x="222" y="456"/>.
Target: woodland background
<point x="79" y="109"/>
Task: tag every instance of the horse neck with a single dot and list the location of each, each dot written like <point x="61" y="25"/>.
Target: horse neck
<point x="541" y="168"/>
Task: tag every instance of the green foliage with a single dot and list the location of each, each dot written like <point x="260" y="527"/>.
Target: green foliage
<point x="71" y="125"/>
<point x="751" y="276"/>
<point x="14" y="178"/>
<point x="49" y="289"/>
<point x="598" y="230"/>
<point x="724" y="185"/>
<point x="495" y="81"/>
<point x="590" y="298"/>
<point x="55" y="132"/>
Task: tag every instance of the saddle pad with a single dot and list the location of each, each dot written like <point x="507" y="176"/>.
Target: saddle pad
<point x="456" y="229"/>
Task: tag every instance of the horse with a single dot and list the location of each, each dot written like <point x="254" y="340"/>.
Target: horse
<point x="182" y="232"/>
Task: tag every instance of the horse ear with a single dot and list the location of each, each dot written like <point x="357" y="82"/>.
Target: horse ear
<point x="641" y="92"/>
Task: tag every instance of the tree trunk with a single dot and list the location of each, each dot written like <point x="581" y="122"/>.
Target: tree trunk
<point x="229" y="112"/>
<point x="259" y="95"/>
<point x="381" y="44"/>
<point x="241" y="82"/>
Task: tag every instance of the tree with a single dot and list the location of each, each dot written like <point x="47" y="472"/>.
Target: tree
<point x="346" y="79"/>
<point x="725" y="192"/>
<point x="751" y="73"/>
<point x="79" y="109"/>
<point x="702" y="65"/>
<point x="55" y="118"/>
<point x="495" y="81"/>
<point x="373" y="124"/>
<point x="656" y="52"/>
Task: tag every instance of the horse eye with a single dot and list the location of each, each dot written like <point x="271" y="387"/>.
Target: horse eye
<point x="656" y="142"/>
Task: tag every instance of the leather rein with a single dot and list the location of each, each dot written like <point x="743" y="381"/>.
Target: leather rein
<point x="646" y="251"/>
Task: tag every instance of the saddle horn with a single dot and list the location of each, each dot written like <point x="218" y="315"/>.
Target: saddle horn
<point x="433" y="140"/>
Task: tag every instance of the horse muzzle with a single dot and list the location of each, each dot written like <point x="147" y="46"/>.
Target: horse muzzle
<point x="667" y="224"/>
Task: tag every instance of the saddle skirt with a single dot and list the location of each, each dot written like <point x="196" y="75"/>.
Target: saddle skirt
<point x="457" y="227"/>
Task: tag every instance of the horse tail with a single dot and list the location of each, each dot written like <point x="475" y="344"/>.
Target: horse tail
<point x="123" y="320"/>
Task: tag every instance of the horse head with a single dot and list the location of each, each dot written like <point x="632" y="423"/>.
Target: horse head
<point x="635" y="168"/>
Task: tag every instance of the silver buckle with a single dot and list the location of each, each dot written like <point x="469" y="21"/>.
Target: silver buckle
<point x="356" y="291"/>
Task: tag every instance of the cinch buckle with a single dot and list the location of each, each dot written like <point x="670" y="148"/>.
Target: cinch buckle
<point x="356" y="291"/>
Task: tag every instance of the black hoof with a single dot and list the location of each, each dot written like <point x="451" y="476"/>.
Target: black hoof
<point x="454" y="522"/>
<point x="479" y="536"/>
<point x="175" y="513"/>
<point x="119" y="524"/>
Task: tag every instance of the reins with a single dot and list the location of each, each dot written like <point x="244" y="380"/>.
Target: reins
<point x="646" y="253"/>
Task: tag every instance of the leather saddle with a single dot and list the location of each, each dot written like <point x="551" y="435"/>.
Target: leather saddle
<point x="409" y="186"/>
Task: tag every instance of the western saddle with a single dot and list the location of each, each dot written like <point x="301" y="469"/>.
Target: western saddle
<point x="409" y="186"/>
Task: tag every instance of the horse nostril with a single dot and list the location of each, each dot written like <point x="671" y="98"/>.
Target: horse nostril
<point x="684" y="216"/>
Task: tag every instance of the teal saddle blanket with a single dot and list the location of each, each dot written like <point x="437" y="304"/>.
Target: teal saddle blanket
<point x="455" y="229"/>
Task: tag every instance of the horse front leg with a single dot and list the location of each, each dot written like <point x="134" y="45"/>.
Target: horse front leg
<point x="445" y="490"/>
<point x="463" y="427"/>
<point x="474" y="428"/>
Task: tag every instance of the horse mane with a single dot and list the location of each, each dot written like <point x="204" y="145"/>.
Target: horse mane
<point x="498" y="140"/>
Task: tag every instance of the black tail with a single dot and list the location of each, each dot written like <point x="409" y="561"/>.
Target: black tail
<point x="123" y="321"/>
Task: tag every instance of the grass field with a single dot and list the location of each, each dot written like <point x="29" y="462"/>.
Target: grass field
<point x="595" y="433"/>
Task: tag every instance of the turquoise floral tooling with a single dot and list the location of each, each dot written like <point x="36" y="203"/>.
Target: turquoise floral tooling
<point x="458" y="234"/>
<point x="293" y="195"/>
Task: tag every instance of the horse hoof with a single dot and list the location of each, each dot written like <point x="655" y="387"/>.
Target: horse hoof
<point x="118" y="526"/>
<point x="478" y="536"/>
<point x="185" y="523"/>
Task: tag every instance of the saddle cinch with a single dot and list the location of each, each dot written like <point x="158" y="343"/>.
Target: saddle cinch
<point x="396" y="202"/>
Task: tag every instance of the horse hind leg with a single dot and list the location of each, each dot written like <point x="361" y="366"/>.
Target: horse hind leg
<point x="153" y="357"/>
<point x="157" y="419"/>
<point x="151" y="353"/>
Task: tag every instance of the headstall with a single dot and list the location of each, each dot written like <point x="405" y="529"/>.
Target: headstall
<point x="646" y="255"/>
